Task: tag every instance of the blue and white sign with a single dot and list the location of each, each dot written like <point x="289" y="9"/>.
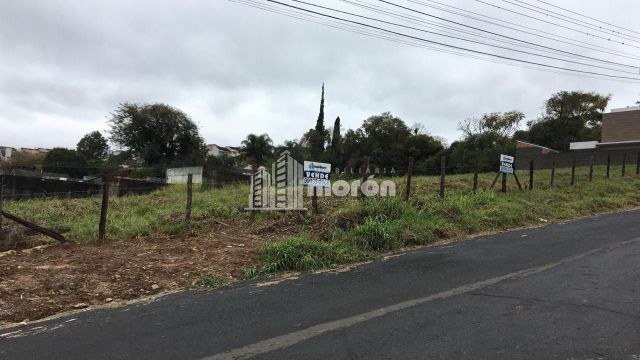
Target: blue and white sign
<point x="506" y="164"/>
<point x="316" y="174"/>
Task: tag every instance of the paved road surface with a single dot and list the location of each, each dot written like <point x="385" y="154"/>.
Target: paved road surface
<point x="566" y="291"/>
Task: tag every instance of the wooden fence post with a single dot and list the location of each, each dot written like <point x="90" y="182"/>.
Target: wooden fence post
<point x="591" y="160"/>
<point x="1" y="202"/>
<point x="573" y="171"/>
<point x="365" y="174"/>
<point x="504" y="183"/>
<point x="475" y="180"/>
<point x="443" y="173"/>
<point x="104" y="208"/>
<point x="314" y="201"/>
<point x="624" y="164"/>
<point x="608" y="165"/>
<point x="407" y="193"/>
<point x="553" y="172"/>
<point x="187" y="215"/>
<point x="531" y="174"/>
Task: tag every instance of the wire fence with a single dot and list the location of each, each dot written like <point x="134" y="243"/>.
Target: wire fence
<point x="435" y="180"/>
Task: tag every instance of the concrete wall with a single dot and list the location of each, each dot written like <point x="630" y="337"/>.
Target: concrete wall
<point x="179" y="175"/>
<point x="583" y="158"/>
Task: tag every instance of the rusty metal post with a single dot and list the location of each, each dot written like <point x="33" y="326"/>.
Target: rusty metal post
<point x="591" y="168"/>
<point x="624" y="164"/>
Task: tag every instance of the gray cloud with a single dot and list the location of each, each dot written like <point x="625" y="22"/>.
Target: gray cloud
<point x="65" y="65"/>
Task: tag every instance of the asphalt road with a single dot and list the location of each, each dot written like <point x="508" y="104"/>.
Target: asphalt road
<point x="565" y="291"/>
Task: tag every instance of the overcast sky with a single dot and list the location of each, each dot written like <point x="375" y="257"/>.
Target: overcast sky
<point x="65" y="65"/>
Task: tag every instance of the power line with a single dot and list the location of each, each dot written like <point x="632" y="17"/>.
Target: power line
<point x="552" y="36"/>
<point x="460" y="38"/>
<point x="497" y="34"/>
<point x="555" y="24"/>
<point x="587" y="17"/>
<point x="572" y="18"/>
<point x="454" y="46"/>
<point x="534" y="8"/>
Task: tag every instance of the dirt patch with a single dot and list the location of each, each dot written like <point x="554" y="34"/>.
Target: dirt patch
<point x="36" y="283"/>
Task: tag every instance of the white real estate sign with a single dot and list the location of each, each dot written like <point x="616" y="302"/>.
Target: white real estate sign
<point x="506" y="164"/>
<point x="316" y="174"/>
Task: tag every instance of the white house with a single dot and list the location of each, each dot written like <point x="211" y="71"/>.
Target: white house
<point x="217" y="150"/>
<point x="6" y="152"/>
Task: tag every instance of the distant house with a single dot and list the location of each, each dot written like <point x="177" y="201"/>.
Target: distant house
<point x="6" y="152"/>
<point x="620" y="131"/>
<point x="217" y="150"/>
<point x="34" y="150"/>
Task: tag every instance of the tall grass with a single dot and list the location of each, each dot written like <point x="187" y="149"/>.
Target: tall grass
<point x="349" y="228"/>
<point x="135" y="215"/>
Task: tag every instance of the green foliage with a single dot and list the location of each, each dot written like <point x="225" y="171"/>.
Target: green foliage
<point x="210" y="281"/>
<point x="135" y="215"/>
<point x="376" y="234"/>
<point x="379" y="225"/>
<point x="65" y="161"/>
<point x="158" y="134"/>
<point x="569" y="117"/>
<point x="257" y="148"/>
<point x="318" y="135"/>
<point x="301" y="253"/>
<point x="93" y="146"/>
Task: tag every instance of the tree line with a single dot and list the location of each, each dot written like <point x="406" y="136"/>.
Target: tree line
<point x="153" y="137"/>
<point x="568" y="116"/>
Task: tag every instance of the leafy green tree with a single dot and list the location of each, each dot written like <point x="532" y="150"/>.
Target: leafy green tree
<point x="65" y="161"/>
<point x="158" y="134"/>
<point x="93" y="146"/>
<point x="423" y="146"/>
<point x="385" y="139"/>
<point x="568" y="117"/>
<point x="296" y="150"/>
<point x="256" y="149"/>
<point x="485" y="138"/>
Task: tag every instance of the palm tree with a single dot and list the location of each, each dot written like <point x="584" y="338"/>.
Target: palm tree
<point x="256" y="148"/>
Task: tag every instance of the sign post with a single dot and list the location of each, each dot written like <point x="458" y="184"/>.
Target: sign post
<point x="316" y="175"/>
<point x="506" y="167"/>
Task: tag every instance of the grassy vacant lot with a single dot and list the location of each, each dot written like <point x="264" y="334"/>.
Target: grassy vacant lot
<point x="348" y="229"/>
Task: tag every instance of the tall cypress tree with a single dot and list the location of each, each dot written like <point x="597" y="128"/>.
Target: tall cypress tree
<point x="319" y="133"/>
<point x="320" y="123"/>
<point x="336" y="137"/>
<point x="335" y="151"/>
